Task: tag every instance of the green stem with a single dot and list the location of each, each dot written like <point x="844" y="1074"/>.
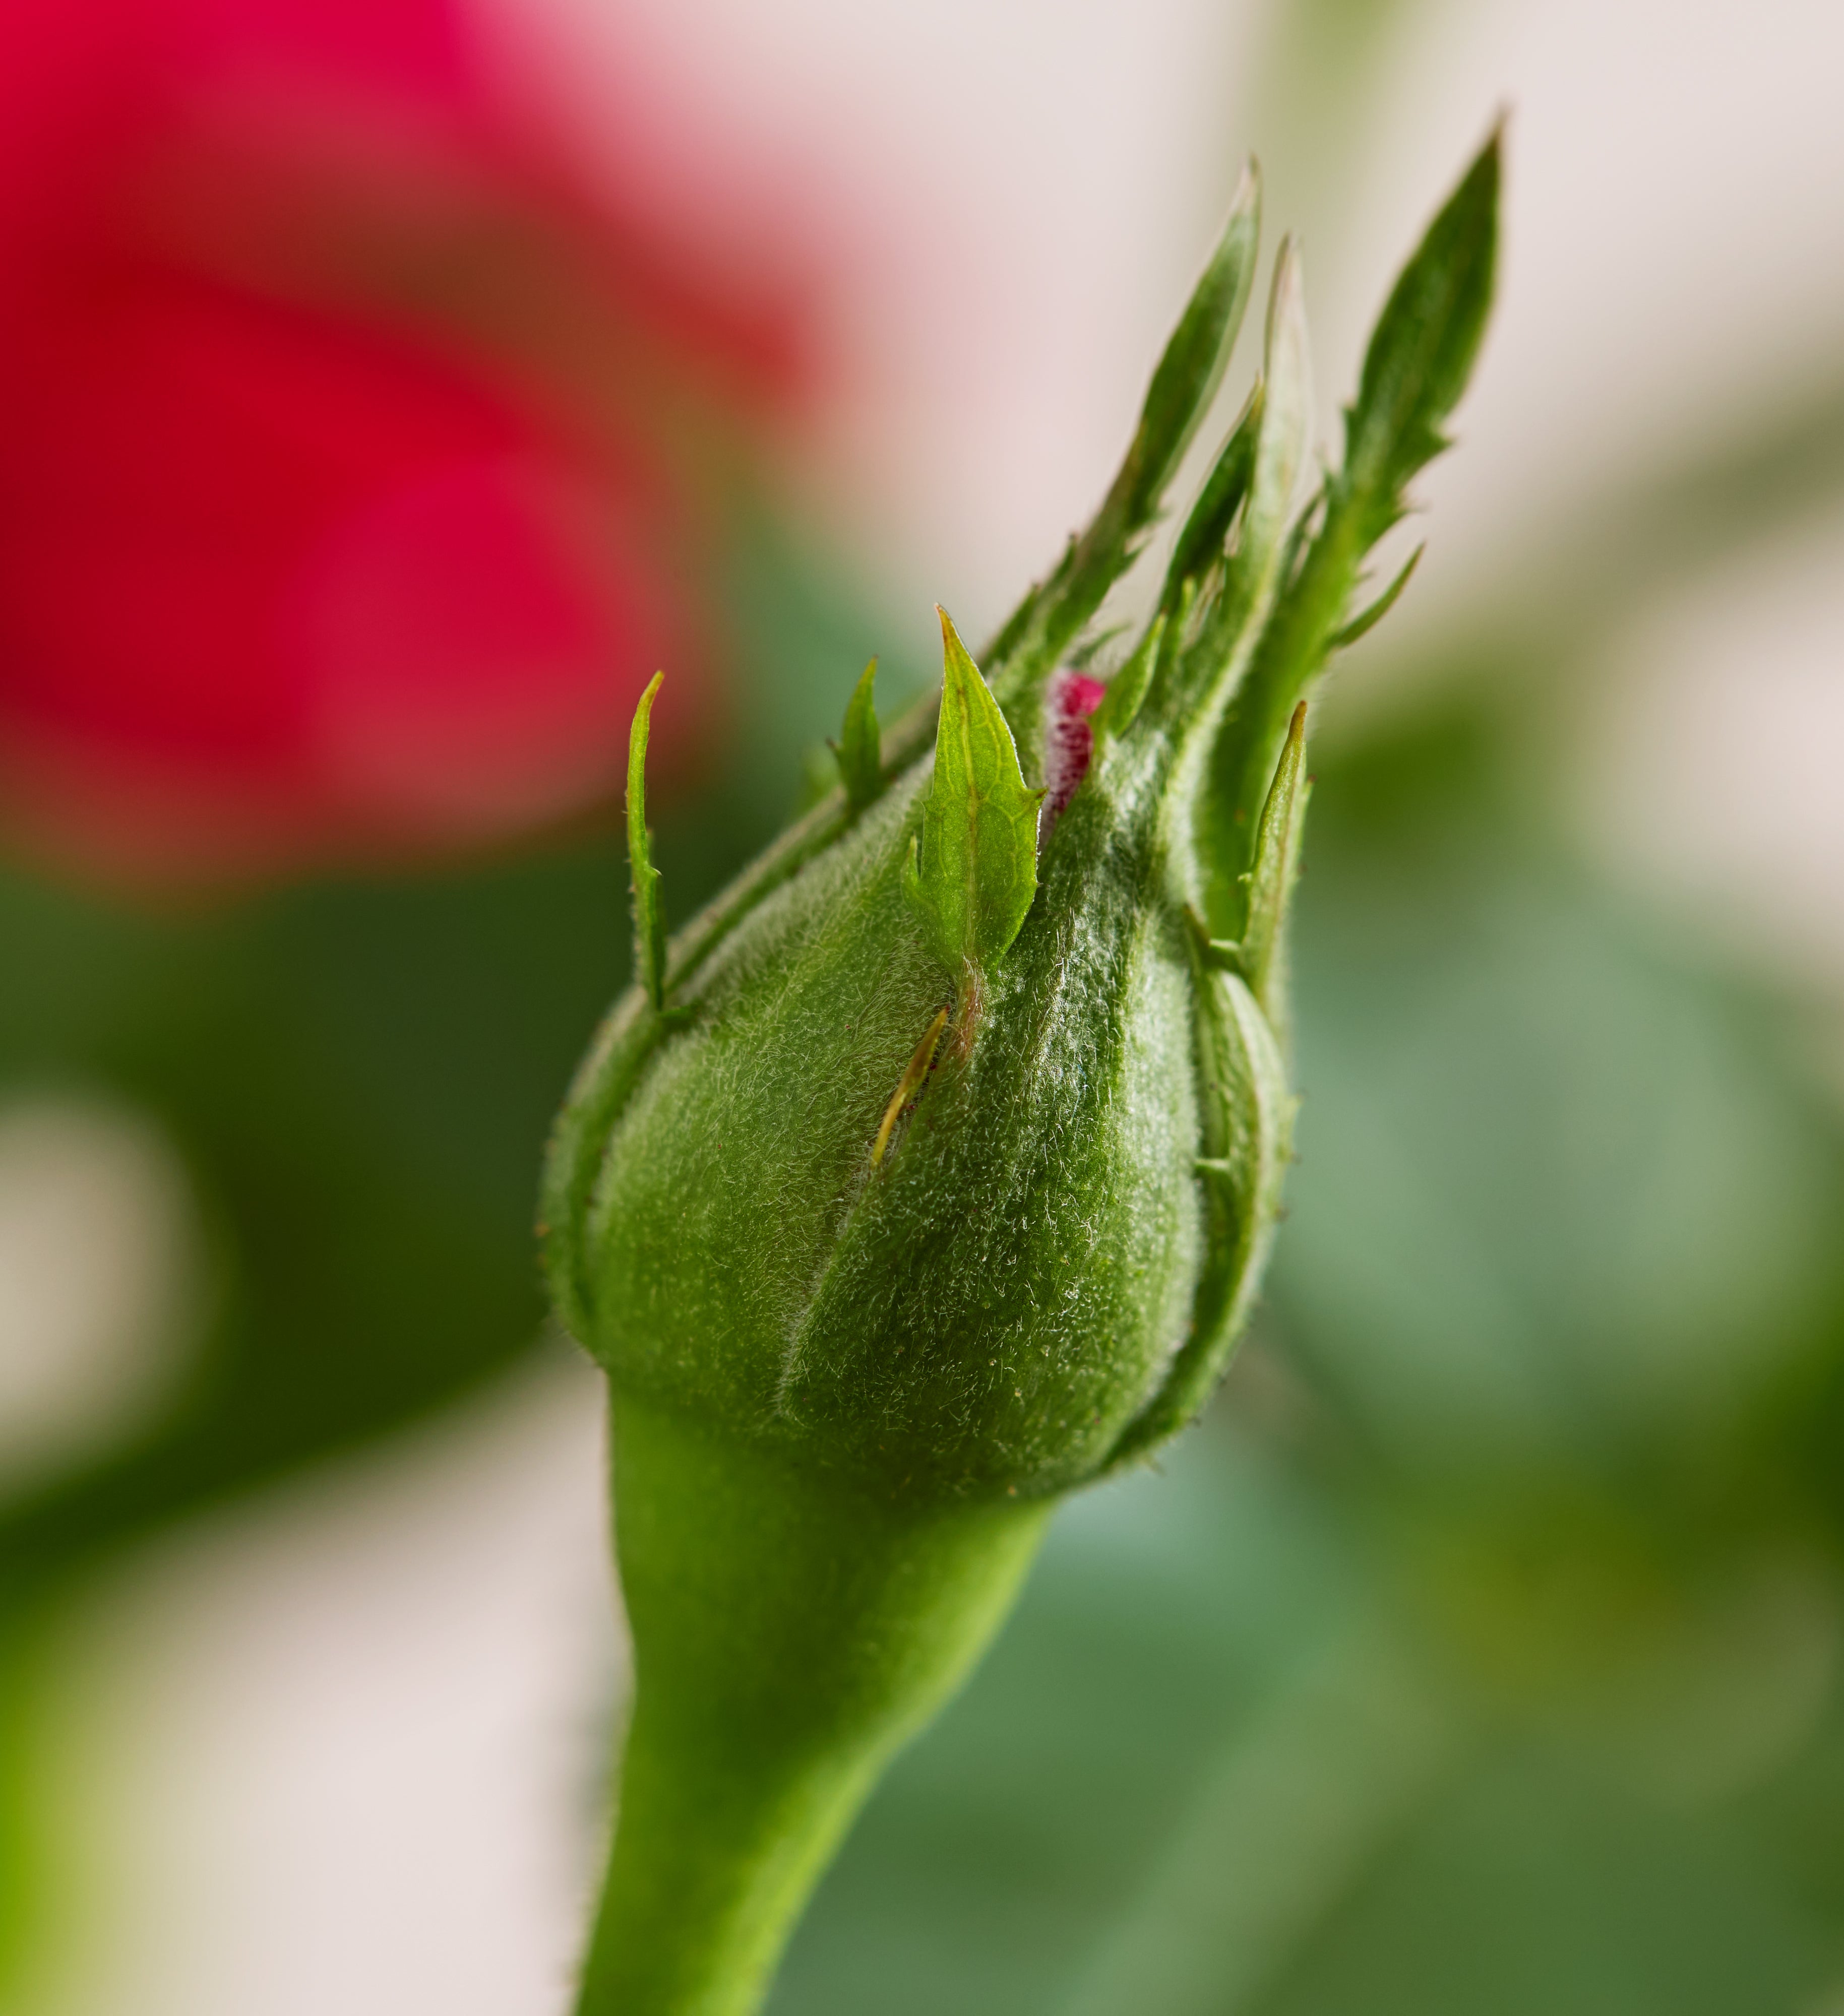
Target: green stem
<point x="791" y="1632"/>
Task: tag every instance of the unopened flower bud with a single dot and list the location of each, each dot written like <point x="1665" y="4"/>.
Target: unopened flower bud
<point x="931" y="1174"/>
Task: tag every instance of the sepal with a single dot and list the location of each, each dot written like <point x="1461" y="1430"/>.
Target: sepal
<point x="650" y="923"/>
<point x="1127" y="691"/>
<point x="1200" y="546"/>
<point x="1041" y="630"/>
<point x="1366" y="619"/>
<point x="1421" y="353"/>
<point x="1276" y="868"/>
<point x="858" y="750"/>
<point x="1414" y="372"/>
<point x="972" y="872"/>
<point x="1248" y="1112"/>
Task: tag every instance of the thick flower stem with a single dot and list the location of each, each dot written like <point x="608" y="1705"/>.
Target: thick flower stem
<point x="791" y="1631"/>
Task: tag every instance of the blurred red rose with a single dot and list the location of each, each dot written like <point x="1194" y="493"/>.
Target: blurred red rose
<point x="351" y="448"/>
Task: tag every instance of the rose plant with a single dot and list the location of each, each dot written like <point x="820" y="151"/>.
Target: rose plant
<point x="929" y="1174"/>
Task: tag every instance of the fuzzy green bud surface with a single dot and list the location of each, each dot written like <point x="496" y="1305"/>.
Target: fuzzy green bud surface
<point x="931" y="1174"/>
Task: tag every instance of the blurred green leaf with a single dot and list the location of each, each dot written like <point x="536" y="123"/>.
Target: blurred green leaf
<point x="1557" y="1189"/>
<point x="358" y="1080"/>
<point x="992" y="1862"/>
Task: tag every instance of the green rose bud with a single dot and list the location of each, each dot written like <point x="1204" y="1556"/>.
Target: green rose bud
<point x="931" y="1174"/>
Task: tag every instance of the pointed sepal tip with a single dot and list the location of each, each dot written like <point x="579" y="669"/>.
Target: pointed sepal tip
<point x="973" y="871"/>
<point x="858" y="750"/>
<point x="1275" y="870"/>
<point x="649" y="926"/>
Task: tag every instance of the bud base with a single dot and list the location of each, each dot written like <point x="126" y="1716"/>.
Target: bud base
<point x="791" y="1633"/>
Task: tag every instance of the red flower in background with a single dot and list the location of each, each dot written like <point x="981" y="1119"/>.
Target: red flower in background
<point x="350" y="448"/>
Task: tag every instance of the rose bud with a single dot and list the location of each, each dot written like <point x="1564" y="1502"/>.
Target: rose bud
<point x="930" y="1173"/>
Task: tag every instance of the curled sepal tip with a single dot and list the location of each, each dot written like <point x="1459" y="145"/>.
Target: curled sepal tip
<point x="649" y="925"/>
<point x="973" y="872"/>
